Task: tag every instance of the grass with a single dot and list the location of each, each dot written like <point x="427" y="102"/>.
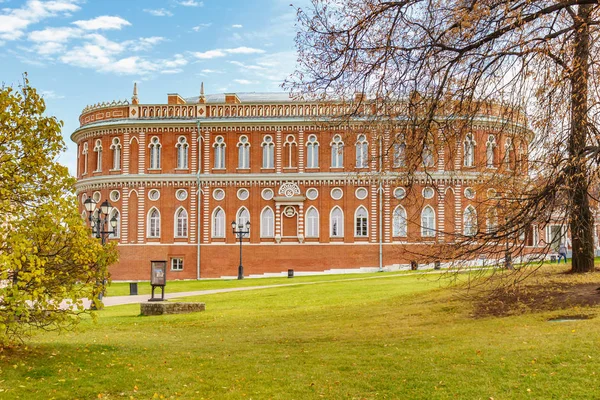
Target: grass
<point x="396" y="338"/>
<point x="122" y="288"/>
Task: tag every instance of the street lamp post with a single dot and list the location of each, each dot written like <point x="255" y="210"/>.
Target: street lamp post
<point x="100" y="223"/>
<point x="238" y="229"/>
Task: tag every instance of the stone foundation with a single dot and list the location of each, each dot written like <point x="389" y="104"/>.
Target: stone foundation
<point x="164" y="307"/>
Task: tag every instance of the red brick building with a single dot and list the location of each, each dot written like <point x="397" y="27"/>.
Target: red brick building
<point x="318" y="197"/>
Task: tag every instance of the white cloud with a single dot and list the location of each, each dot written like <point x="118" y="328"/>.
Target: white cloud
<point x="223" y="52"/>
<point x="245" y="81"/>
<point x="14" y="21"/>
<point x="237" y="26"/>
<point x="191" y="3"/>
<point x="211" y="71"/>
<point x="103" y="22"/>
<point x="143" y="44"/>
<point x="56" y="35"/>
<point x="209" y="54"/>
<point x="201" y="26"/>
<point x="160" y="12"/>
<point x="244" y="50"/>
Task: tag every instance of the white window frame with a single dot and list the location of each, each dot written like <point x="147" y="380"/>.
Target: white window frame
<point x="312" y="152"/>
<point x="243" y="146"/>
<point x="336" y="219"/>
<point x="267" y="223"/>
<point x="490" y="152"/>
<point x="155" y="150"/>
<point x="178" y="261"/>
<point x="469" y="151"/>
<point x="154" y="227"/>
<point x="311" y="222"/>
<point x="470" y="221"/>
<point x="218" y="224"/>
<point x="337" y="152"/>
<point x="268" y="152"/>
<point x="362" y="152"/>
<point x="399" y="222"/>
<point x="116" y="150"/>
<point x="361" y="223"/>
<point x="220" y="147"/>
<point x="182" y="149"/>
<point x="428" y="223"/>
<point x="181" y="231"/>
<point x="98" y="151"/>
<point x="116" y="231"/>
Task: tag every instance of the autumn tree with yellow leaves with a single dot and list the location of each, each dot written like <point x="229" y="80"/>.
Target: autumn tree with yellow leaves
<point x="48" y="260"/>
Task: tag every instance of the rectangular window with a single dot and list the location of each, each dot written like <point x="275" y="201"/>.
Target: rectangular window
<point x="176" y="264"/>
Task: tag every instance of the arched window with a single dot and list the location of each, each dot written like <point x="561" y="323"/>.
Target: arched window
<point x="400" y="152"/>
<point x="116" y="231"/>
<point x="361" y="224"/>
<point x="154" y="153"/>
<point x="337" y="152"/>
<point x="267" y="223"/>
<point x="427" y="156"/>
<point x="336" y="222"/>
<point x="469" y="147"/>
<point x="84" y="152"/>
<point x="153" y="223"/>
<point x="243" y="153"/>
<point x="116" y="153"/>
<point x="490" y="151"/>
<point x="312" y="223"/>
<point x="312" y="150"/>
<point x="508" y="147"/>
<point x="492" y="221"/>
<point x="243" y="216"/>
<point x="428" y="222"/>
<point x="268" y="152"/>
<point x="399" y="222"/>
<point x="218" y="223"/>
<point x="98" y="150"/>
<point x="219" y="152"/>
<point x="362" y="149"/>
<point x="181" y="223"/>
<point x="182" y="152"/>
<point x="470" y="221"/>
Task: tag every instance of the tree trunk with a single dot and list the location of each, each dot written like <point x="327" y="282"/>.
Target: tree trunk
<point x="581" y="218"/>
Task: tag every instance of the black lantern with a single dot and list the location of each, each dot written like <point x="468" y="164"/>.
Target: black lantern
<point x="238" y="229"/>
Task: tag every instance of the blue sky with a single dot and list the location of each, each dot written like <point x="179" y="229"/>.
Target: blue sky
<point x="80" y="52"/>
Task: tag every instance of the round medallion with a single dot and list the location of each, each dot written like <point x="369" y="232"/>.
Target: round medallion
<point x="218" y="194"/>
<point x="361" y="193"/>
<point x="428" y="192"/>
<point x="336" y="193"/>
<point x="181" y="194"/>
<point x="399" y="193"/>
<point x="312" y="194"/>
<point x="243" y="194"/>
<point x="267" y="194"/>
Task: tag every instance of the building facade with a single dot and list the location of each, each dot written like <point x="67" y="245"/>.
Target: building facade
<point x="318" y="196"/>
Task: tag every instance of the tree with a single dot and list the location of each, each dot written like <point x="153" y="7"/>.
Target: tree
<point x="460" y="57"/>
<point x="48" y="261"/>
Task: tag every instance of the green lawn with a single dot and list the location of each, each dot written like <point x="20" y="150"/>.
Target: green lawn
<point x="396" y="338"/>
<point x="122" y="288"/>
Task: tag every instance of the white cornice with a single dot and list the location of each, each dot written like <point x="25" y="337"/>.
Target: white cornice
<point x="273" y="179"/>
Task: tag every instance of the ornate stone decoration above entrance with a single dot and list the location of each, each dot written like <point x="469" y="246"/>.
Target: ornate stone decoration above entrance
<point x="289" y="189"/>
<point x="289" y="211"/>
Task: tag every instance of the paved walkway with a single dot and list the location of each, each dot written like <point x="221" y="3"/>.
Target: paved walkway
<point x="120" y="300"/>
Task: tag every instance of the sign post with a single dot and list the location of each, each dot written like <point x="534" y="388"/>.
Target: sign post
<point x="158" y="277"/>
